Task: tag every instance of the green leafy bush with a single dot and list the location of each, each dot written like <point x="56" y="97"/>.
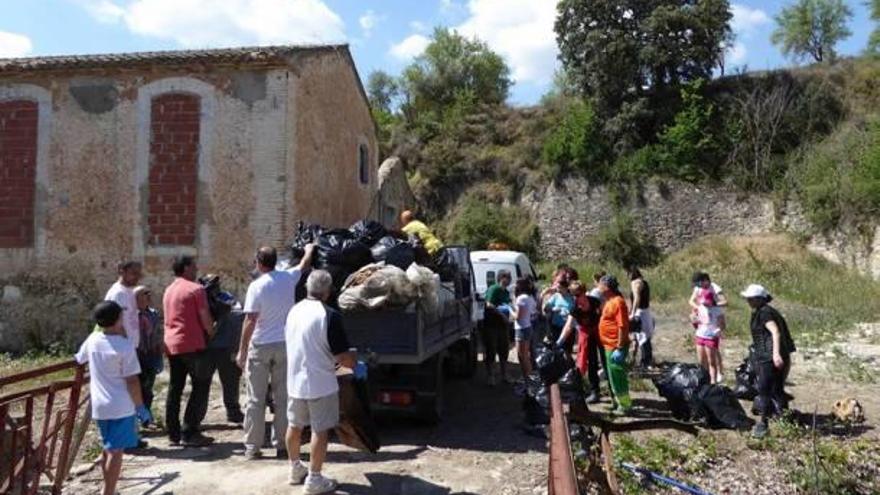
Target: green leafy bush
<point x="838" y="180"/>
<point x="688" y="148"/>
<point x="575" y="143"/>
<point x="621" y="243"/>
<point x="478" y="223"/>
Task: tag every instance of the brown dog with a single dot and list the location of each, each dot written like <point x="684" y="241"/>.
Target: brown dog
<point x="848" y="411"/>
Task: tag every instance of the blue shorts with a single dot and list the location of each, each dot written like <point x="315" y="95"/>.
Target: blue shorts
<point x="119" y="434"/>
<point x="522" y="334"/>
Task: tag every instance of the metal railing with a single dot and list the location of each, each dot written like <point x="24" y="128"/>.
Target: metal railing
<point x="39" y="434"/>
<point x="561" y="479"/>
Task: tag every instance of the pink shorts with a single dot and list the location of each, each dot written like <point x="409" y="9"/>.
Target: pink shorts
<point x="710" y="343"/>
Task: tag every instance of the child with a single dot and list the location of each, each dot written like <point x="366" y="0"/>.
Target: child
<point x="149" y="350"/>
<point x="523" y="311"/>
<point x="710" y="323"/>
<point x="114" y="387"/>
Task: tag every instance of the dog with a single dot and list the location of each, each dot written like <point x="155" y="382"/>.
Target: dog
<point x="848" y="412"/>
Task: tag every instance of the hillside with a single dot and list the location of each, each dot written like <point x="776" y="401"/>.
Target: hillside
<point x="807" y="135"/>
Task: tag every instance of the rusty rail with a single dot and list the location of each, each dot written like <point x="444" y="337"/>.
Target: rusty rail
<point x="36" y="429"/>
<point x="561" y="479"/>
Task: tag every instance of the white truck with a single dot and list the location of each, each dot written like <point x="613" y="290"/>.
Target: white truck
<point x="487" y="264"/>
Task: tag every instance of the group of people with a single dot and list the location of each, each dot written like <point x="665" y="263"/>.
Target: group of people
<point x="613" y="335"/>
<point x="292" y="347"/>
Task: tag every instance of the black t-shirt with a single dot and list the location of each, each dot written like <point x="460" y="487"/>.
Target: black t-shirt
<point x="336" y="332"/>
<point x="763" y="339"/>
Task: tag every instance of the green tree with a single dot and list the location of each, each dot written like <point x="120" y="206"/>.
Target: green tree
<point x="452" y="69"/>
<point x="382" y="90"/>
<point x="811" y="28"/>
<point x="689" y="147"/>
<point x="575" y="144"/>
<point x="620" y="51"/>
<point x="874" y="40"/>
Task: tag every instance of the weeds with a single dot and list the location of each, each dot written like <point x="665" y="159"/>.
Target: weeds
<point x="852" y="368"/>
<point x="661" y="455"/>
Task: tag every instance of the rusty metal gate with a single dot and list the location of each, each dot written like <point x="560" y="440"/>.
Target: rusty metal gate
<point x="39" y="431"/>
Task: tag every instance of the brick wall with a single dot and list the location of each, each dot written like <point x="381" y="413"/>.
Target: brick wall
<point x="174" y="157"/>
<point x="18" y="167"/>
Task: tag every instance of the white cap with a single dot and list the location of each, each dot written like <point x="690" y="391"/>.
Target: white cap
<point x="755" y="290"/>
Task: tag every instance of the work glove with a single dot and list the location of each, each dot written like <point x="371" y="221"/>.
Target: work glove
<point x="144" y="415"/>
<point x="360" y="370"/>
<point x="618" y="356"/>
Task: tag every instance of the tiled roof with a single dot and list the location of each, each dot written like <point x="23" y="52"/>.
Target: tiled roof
<point x="263" y="55"/>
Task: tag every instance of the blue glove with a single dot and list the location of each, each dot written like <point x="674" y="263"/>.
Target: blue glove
<point x="618" y="356"/>
<point x="360" y="370"/>
<point x="144" y="415"/>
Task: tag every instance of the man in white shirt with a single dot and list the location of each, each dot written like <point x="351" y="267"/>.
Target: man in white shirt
<point x="122" y="293"/>
<point x="316" y="343"/>
<point x="262" y="354"/>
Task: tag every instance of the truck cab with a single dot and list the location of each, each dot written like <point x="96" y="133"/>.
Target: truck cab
<point x="487" y="264"/>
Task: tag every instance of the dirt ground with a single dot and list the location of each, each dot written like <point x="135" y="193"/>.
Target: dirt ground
<point x="481" y="446"/>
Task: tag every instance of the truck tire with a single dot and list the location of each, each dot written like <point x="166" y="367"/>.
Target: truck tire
<point x="462" y="359"/>
<point x="429" y="408"/>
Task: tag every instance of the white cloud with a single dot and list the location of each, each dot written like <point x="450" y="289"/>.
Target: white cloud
<point x="368" y="21"/>
<point x="418" y="26"/>
<point x="747" y="19"/>
<point x="412" y="46"/>
<point x="736" y="54"/>
<point x="207" y="23"/>
<point x="14" y="45"/>
<point x="519" y="30"/>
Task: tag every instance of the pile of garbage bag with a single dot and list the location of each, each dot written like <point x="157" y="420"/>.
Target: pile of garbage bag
<point x="380" y="285"/>
<point x="220" y="302"/>
<point x="553" y="366"/>
<point x="691" y="397"/>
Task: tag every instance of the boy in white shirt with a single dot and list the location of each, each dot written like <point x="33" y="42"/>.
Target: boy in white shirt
<point x="115" y="390"/>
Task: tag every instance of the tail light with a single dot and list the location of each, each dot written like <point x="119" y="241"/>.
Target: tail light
<point x="395" y="398"/>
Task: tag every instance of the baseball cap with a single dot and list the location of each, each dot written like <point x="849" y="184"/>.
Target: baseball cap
<point x="755" y="290"/>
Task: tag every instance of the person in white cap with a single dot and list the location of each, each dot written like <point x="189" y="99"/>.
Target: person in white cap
<point x="773" y="346"/>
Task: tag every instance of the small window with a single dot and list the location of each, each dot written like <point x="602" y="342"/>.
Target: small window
<point x="490" y="279"/>
<point x="518" y="272"/>
<point x="364" y="164"/>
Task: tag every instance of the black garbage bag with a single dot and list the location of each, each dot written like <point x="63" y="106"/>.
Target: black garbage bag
<point x="305" y="234"/>
<point x="543" y="397"/>
<point x="553" y="363"/>
<point x="572" y="381"/>
<point x="746" y="379"/>
<point x="340" y="247"/>
<point x="678" y="386"/>
<point x="446" y="266"/>
<point x="720" y="408"/>
<point x="394" y="251"/>
<point x="368" y="231"/>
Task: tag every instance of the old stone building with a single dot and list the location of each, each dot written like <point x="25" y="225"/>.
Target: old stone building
<point x="147" y="155"/>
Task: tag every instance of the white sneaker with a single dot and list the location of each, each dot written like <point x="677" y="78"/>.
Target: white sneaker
<point x="298" y="473"/>
<point x="317" y="485"/>
<point x="719" y="378"/>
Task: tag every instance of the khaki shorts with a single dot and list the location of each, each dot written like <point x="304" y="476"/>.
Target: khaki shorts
<point x="320" y="414"/>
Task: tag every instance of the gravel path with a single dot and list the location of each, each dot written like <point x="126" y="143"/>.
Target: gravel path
<point x="480" y="448"/>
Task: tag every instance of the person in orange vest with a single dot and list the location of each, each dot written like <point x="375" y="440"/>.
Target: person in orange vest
<point x="614" y="337"/>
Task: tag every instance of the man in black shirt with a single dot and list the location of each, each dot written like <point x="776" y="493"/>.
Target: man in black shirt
<point x="773" y="346"/>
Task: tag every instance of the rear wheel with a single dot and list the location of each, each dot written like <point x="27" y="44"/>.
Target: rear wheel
<point x="429" y="408"/>
<point x="462" y="360"/>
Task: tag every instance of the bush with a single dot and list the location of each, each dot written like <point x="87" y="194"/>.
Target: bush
<point x="688" y="145"/>
<point x="837" y="181"/>
<point x="478" y="223"/>
<point x="621" y="243"/>
<point x="575" y="143"/>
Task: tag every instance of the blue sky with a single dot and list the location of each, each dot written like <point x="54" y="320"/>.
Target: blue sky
<point x="384" y="34"/>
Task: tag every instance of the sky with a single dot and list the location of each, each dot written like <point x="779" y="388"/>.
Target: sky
<point x="383" y="34"/>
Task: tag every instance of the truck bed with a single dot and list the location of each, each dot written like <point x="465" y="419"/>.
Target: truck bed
<point x="399" y="336"/>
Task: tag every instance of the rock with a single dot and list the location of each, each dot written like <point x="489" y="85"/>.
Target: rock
<point x="11" y="294"/>
<point x="82" y="469"/>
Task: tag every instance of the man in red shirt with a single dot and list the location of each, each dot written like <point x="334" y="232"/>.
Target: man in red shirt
<point x="188" y="326"/>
